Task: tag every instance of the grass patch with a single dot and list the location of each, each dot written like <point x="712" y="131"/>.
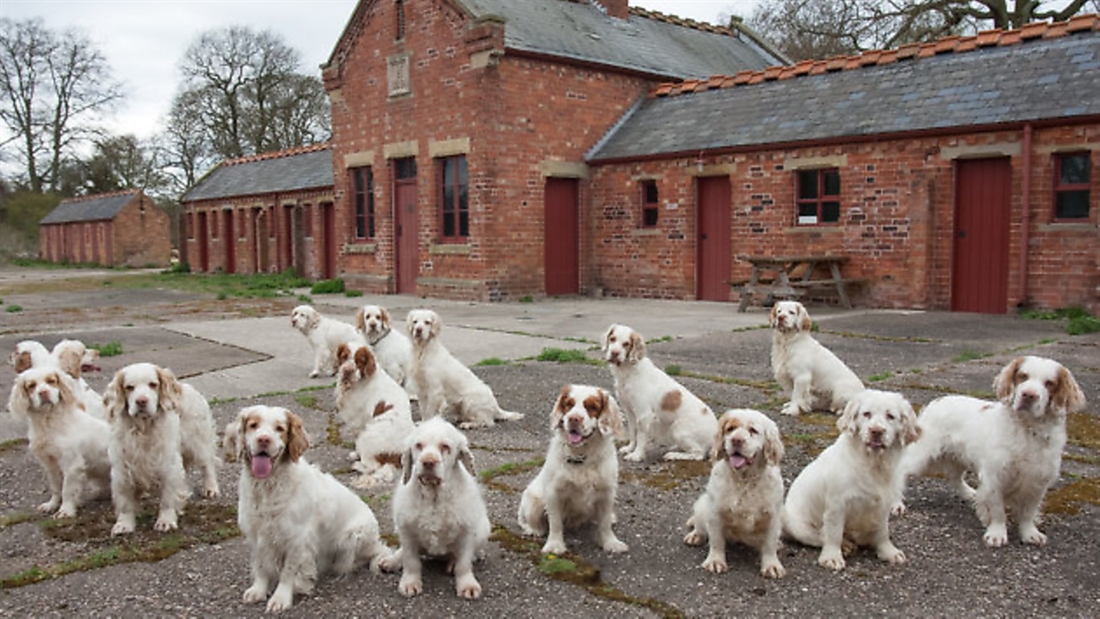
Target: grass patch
<point x="18" y="517"/>
<point x="671" y="475"/>
<point x="14" y="443"/>
<point x="110" y="349"/>
<point x="1068" y="499"/>
<point x="351" y="294"/>
<point x="305" y="298"/>
<point x="202" y="523"/>
<point x="573" y="569"/>
<point x="971" y="355"/>
<point x="1083" y="430"/>
<point x="563" y="355"/>
<point x="488" y="476"/>
<point x="328" y="286"/>
<point x="875" y="378"/>
<point x="13" y="308"/>
<point x="674" y="370"/>
<point x="306" y="400"/>
<point x="526" y="299"/>
<point x="491" y="361"/>
<point x="1078" y="320"/>
<point x="1083" y="325"/>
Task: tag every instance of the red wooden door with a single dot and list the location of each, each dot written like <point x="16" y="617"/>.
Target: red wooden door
<point x="202" y="236"/>
<point x="328" y="242"/>
<point x="286" y="256"/>
<point x="713" y="259"/>
<point x="979" y="279"/>
<point x="562" y="236"/>
<point x="406" y="226"/>
<point x="229" y="239"/>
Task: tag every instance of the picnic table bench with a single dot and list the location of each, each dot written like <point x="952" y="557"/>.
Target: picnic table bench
<point x="791" y="276"/>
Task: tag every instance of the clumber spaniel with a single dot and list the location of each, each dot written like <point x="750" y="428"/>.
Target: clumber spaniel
<point x="159" y="426"/>
<point x="1013" y="446"/>
<point x="743" y="501"/>
<point x="376" y="409"/>
<point x="28" y="354"/>
<point x="446" y="385"/>
<point x="299" y="522"/>
<point x="392" y="348"/>
<point x="843" y="497"/>
<point x="324" y="335"/>
<point x="70" y="444"/>
<point x="816" y="378"/>
<point x="438" y="509"/>
<point x="69" y="355"/>
<point x="578" y="481"/>
<point x="657" y="408"/>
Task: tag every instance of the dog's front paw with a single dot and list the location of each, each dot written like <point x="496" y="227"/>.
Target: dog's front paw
<point x="124" y="526"/>
<point x="554" y="547"/>
<point x="891" y="554"/>
<point x="253" y="594"/>
<point x="831" y="560"/>
<point x="615" y="545"/>
<point x="1031" y="535"/>
<point x="790" y="408"/>
<point x="281" y="600"/>
<point x="409" y="586"/>
<point x="772" y="569"/>
<point x="68" y="511"/>
<point x="898" y="509"/>
<point x="694" y="538"/>
<point x="468" y="587"/>
<point x="995" y="536"/>
<point x="635" y="456"/>
<point x="166" y="522"/>
<point x="49" y="506"/>
<point x="715" y="564"/>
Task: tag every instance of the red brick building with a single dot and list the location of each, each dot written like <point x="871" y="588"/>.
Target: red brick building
<point x="956" y="175"/>
<point x="460" y="131"/>
<point x="263" y="214"/>
<point x="115" y="229"/>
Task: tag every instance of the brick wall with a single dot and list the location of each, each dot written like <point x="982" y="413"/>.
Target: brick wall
<point x="141" y="235"/>
<point x="897" y="218"/>
<point x="513" y="112"/>
<point x="270" y="233"/>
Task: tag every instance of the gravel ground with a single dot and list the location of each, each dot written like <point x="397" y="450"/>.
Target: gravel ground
<point x="204" y="570"/>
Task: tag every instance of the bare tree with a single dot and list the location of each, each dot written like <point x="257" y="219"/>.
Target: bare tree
<point x="119" y="162"/>
<point x="55" y="87"/>
<point x="243" y="91"/>
<point x="829" y="27"/>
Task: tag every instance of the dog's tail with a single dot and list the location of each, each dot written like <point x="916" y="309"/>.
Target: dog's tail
<point x="503" y="415"/>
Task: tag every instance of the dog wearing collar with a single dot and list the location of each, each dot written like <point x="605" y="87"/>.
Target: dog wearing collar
<point x="578" y="481"/>
<point x="392" y="349"/>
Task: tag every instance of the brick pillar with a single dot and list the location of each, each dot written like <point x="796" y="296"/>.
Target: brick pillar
<point x="616" y="8"/>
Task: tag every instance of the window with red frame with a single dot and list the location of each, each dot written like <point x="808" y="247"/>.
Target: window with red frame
<point x="650" y="204"/>
<point x="454" y="193"/>
<point x="1071" y="186"/>
<point x="399" y="19"/>
<point x="818" y="196"/>
<point x="362" y="199"/>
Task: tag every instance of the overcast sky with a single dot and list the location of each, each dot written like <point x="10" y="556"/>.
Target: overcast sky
<point x="144" y="40"/>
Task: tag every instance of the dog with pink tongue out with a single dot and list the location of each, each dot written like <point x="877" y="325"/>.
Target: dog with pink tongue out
<point x="743" y="501"/>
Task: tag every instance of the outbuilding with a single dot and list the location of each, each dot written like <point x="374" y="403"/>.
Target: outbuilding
<point x="114" y="229"/>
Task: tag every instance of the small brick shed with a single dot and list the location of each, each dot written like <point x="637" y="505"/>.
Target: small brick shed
<point x="116" y="229"/>
<point x="964" y="174"/>
<point x="262" y="214"/>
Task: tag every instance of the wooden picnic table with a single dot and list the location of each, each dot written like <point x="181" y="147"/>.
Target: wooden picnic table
<point x="773" y="275"/>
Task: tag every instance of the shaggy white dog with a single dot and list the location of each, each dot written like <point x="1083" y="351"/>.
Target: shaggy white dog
<point x="1014" y="446"/>
<point x="814" y="376"/>
<point x="843" y="497"/>
<point x="391" y="348"/>
<point x="578" y="481"/>
<point x="324" y="335"/>
<point x="743" y="501"/>
<point x="657" y="408"/>
<point x="438" y="509"/>
<point x="299" y="522"/>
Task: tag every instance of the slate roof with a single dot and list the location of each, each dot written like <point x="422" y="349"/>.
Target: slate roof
<point x="648" y="42"/>
<point x="1041" y="71"/>
<point x="91" y="208"/>
<point x="308" y="167"/>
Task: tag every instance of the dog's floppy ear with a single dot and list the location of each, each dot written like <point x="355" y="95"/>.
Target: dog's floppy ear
<point x="343" y="353"/>
<point x="560" y="406"/>
<point x="637" y="347"/>
<point x="21" y="361"/>
<point x="69" y="357"/>
<point x="1067" y="395"/>
<point x="718" y="449"/>
<point x="1005" y="382"/>
<point x="465" y="457"/>
<point x="66" y="388"/>
<point x="384" y="316"/>
<point x="170" y="392"/>
<point x="231" y="442"/>
<point x="19" y="401"/>
<point x="364" y="360"/>
<point x="314" y="318"/>
<point x="910" y="427"/>
<point x="406" y="464"/>
<point x="360" y="320"/>
<point x="773" y="443"/>
<point x="607" y="337"/>
<point x="437" y="325"/>
<point x="773" y="314"/>
<point x="804" y="322"/>
<point x="611" y="416"/>
<point x="298" y="440"/>
<point x="847" y="420"/>
<point x="114" y="396"/>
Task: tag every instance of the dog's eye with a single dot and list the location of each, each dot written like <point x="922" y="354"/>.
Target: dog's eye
<point x="31" y="385"/>
<point x="129" y="388"/>
<point x="152" y="385"/>
<point x="611" y="339"/>
<point x="444" y="449"/>
<point x="252" y="425"/>
<point x="1021" y="377"/>
<point x="866" y="414"/>
<point x="890" y="416"/>
<point x="1049" y="384"/>
<point x="51" y="380"/>
<point x="419" y="446"/>
<point x="753" y="431"/>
